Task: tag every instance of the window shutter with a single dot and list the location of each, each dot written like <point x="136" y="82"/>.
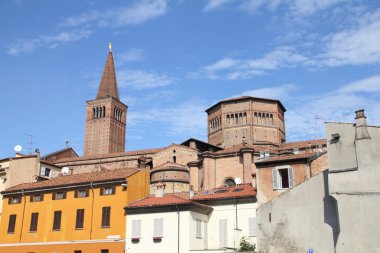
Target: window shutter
<point x="290" y="175"/>
<point x="113" y="190"/>
<point x="252" y="227"/>
<point x="87" y="193"/>
<point x="12" y="223"/>
<point x="106" y="216"/>
<point x="101" y="191"/>
<point x="136" y="228"/>
<point x="31" y="198"/>
<point x="42" y="197"/>
<point x="223" y="233"/>
<point x="158" y="228"/>
<point x="76" y="194"/>
<point x="79" y="219"/>
<point x="43" y="171"/>
<point x="64" y="195"/>
<point x="275" y="178"/>
<point x="52" y="173"/>
<point x="9" y="200"/>
<point x="57" y="220"/>
<point x="53" y="196"/>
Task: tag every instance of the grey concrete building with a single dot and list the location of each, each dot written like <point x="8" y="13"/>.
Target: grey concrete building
<point x="336" y="210"/>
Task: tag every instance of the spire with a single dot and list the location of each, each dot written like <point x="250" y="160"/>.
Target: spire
<point x="108" y="84"/>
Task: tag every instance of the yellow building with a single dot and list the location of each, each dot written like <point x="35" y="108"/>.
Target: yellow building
<point x="81" y="213"/>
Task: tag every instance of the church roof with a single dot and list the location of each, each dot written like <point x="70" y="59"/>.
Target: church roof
<point x="108" y="84"/>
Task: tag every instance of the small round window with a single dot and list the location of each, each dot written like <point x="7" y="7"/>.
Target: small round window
<point x="229" y="182"/>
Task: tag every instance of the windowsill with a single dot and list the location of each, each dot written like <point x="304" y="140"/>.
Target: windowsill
<point x="79" y="228"/>
<point x="11" y="233"/>
<point x="105" y="227"/>
<point x="31" y="232"/>
<point x="281" y="189"/>
<point x="56" y="230"/>
<point x="198" y="237"/>
<point x="158" y="238"/>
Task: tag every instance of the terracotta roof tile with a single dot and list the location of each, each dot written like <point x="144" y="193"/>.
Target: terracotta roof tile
<point x="232" y="192"/>
<point x="170" y="165"/>
<point x="76" y="179"/>
<point x="119" y="154"/>
<point x="301" y="144"/>
<point x="237" y="148"/>
<point x="289" y="157"/>
<point x="167" y="200"/>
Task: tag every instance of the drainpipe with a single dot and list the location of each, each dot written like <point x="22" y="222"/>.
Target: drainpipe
<point x="236" y="224"/>
<point x="23" y="214"/>
<point x="92" y="209"/>
<point x="178" y="220"/>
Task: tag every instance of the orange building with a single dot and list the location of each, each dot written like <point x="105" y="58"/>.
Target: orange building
<point x="81" y="213"/>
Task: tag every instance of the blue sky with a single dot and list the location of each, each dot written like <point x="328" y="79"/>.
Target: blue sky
<point x="174" y="59"/>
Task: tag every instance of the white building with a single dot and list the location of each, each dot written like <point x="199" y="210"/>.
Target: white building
<point x="212" y="221"/>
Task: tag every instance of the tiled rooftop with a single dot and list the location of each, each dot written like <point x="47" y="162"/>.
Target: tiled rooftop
<point x="289" y="157"/>
<point x="76" y="179"/>
<point x="301" y="144"/>
<point x="241" y="191"/>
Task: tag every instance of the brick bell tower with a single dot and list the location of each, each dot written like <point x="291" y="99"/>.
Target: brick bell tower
<point x="106" y="116"/>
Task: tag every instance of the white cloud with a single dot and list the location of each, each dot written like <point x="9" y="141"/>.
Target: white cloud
<point x="50" y="41"/>
<point x="278" y="92"/>
<point x="335" y="106"/>
<point x="232" y="69"/>
<point x="132" y="55"/>
<point x="215" y="4"/>
<point x="139" y="79"/>
<point x="180" y="122"/>
<point x="134" y="14"/>
<point x="296" y="7"/>
<point x="355" y="46"/>
<point x="308" y="7"/>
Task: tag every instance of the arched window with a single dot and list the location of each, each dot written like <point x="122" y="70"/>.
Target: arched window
<point x="228" y="120"/>
<point x="229" y="182"/>
<point x="236" y="119"/>
<point x="255" y="118"/>
<point x="271" y="120"/>
<point x="104" y="111"/>
<point x="93" y="113"/>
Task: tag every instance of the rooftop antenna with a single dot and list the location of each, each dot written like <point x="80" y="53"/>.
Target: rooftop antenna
<point x="66" y="143"/>
<point x="30" y="142"/>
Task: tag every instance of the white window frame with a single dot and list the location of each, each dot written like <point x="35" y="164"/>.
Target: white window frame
<point x="198" y="228"/>
<point x="276" y="177"/>
<point x="136" y="229"/>
<point x="82" y="193"/>
<point x="252" y="227"/>
<point x="158" y="226"/>
<point x="108" y="191"/>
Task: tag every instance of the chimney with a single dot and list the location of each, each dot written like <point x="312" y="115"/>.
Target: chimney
<point x="361" y="131"/>
<point x="191" y="192"/>
<point x="160" y="190"/>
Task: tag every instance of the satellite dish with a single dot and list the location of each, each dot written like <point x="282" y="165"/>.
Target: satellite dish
<point x="17" y="148"/>
<point x="237" y="181"/>
<point x="65" y="170"/>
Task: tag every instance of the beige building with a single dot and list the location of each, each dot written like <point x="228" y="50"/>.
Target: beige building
<point x="25" y="169"/>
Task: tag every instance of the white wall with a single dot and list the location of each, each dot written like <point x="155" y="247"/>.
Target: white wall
<point x="188" y="240"/>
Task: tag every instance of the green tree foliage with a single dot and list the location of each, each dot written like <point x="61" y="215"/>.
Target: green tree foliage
<point x="246" y="245"/>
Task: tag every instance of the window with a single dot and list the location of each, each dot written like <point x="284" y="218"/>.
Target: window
<point x="252" y="227"/>
<point x="198" y="233"/>
<point x="33" y="222"/>
<point x="77" y="251"/>
<point x="108" y="191"/>
<point x="158" y="228"/>
<point x="59" y="195"/>
<point x="229" y="182"/>
<point x="282" y="177"/>
<point x="136" y="229"/>
<point x="57" y="220"/>
<point x="37" y="198"/>
<point x="104" y="251"/>
<point x="14" y="200"/>
<point x="80" y="219"/>
<point x="12" y="223"/>
<point x="81" y="194"/>
<point x="45" y="172"/>
<point x="223" y="233"/>
<point x="106" y="215"/>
